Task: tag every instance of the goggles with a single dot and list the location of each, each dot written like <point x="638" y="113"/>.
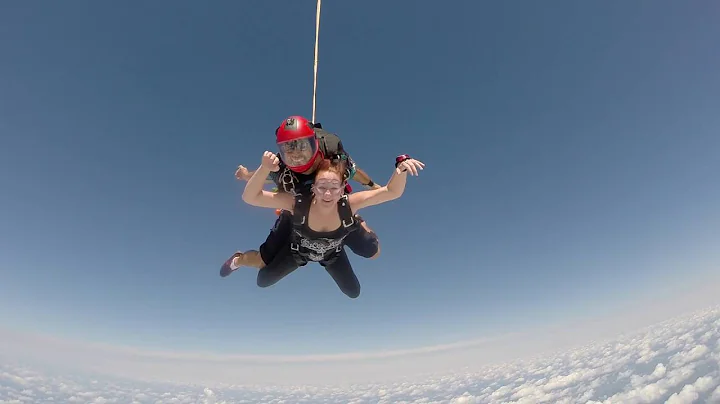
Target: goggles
<point x="322" y="187"/>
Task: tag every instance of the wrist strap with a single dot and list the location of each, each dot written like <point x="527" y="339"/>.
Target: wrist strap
<point x="399" y="159"/>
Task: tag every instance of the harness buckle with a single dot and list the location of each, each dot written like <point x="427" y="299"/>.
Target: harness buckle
<point x="352" y="222"/>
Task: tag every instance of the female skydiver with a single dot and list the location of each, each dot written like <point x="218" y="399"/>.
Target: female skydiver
<point x="321" y="220"/>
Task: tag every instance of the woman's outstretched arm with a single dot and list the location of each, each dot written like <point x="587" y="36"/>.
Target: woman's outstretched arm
<point x="393" y="190"/>
<point x="255" y="195"/>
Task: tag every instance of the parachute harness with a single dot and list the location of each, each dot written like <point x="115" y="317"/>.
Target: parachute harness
<point x="315" y="66"/>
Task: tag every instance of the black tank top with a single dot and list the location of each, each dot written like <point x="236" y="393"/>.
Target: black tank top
<point x="311" y="245"/>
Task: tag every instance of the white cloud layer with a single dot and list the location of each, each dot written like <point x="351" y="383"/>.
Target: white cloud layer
<point x="414" y="363"/>
<point x="677" y="361"/>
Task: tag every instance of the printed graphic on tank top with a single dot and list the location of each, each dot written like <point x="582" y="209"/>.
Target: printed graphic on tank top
<point x="319" y="246"/>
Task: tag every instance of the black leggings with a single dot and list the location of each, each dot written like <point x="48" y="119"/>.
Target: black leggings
<point x="338" y="267"/>
<point x="277" y="239"/>
<point x="361" y="241"/>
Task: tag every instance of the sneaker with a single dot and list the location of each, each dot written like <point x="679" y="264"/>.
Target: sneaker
<point x="229" y="267"/>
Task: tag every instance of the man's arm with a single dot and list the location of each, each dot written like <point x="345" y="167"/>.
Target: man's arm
<point x="334" y="147"/>
<point x="393" y="190"/>
<point x="357" y="174"/>
<point x="243" y="174"/>
<point x="364" y="179"/>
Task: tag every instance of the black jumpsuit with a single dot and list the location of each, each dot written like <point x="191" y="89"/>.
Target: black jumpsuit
<point x="303" y="245"/>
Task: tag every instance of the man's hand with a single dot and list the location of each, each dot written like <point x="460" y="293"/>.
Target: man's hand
<point x="242" y="173"/>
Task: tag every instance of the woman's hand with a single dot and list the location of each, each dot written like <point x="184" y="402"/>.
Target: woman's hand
<point x="270" y="161"/>
<point x="410" y="165"/>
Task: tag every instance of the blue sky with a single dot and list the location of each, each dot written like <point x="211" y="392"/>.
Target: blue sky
<point x="571" y="159"/>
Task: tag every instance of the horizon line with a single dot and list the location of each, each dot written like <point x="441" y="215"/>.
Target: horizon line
<point x="30" y="337"/>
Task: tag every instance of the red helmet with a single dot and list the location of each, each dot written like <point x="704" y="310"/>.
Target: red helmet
<point x="297" y="143"/>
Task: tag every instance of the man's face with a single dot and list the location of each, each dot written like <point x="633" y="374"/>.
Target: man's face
<point x="298" y="152"/>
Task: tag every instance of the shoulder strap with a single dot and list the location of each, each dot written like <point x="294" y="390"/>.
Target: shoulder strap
<point x="301" y="209"/>
<point x="345" y="212"/>
<point x="299" y="218"/>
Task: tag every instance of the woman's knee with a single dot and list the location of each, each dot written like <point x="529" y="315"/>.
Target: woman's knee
<point x="266" y="278"/>
<point x="350" y="285"/>
<point x="372" y="241"/>
<point x="352" y="292"/>
<point x="365" y="245"/>
<point x="377" y="252"/>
